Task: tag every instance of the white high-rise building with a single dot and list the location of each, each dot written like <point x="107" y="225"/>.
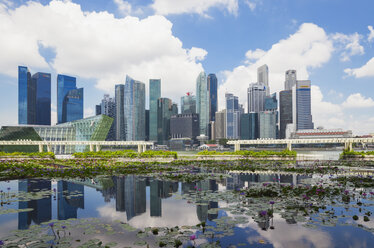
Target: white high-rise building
<point x="290" y="79"/>
<point x="202" y="102"/>
<point x="263" y="77"/>
<point x="256" y="97"/>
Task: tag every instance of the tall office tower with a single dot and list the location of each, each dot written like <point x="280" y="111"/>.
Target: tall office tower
<point x="285" y="111"/>
<point x="263" y="77"/>
<point x="164" y="113"/>
<point x="290" y="79"/>
<point x="155" y="198"/>
<point x="249" y="126"/>
<point x="120" y="112"/>
<point x="301" y="105"/>
<point x="202" y="102"/>
<point x="220" y="125"/>
<point x="69" y="99"/>
<point x="43" y="98"/>
<point x="34" y="97"/>
<point x="271" y="102"/>
<point x="26" y="92"/>
<point x="256" y="97"/>
<point x="108" y="108"/>
<point x="174" y="109"/>
<point x="134" y="109"/>
<point x="154" y="94"/>
<point x="268" y="124"/>
<point x="232" y="116"/>
<point x="147" y="124"/>
<point x="98" y="109"/>
<point x="188" y="104"/>
<point x="213" y="96"/>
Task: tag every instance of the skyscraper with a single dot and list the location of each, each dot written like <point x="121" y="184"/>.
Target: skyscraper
<point x="43" y="98"/>
<point x="212" y="88"/>
<point x="202" y="102"/>
<point x="263" y="77"/>
<point x="154" y="94"/>
<point x="134" y="96"/>
<point x="188" y="104"/>
<point x="34" y="97"/>
<point x="232" y="116"/>
<point x="268" y="124"/>
<point x="120" y="122"/>
<point x="301" y="104"/>
<point x="256" y="97"/>
<point x="108" y="108"/>
<point x="290" y="79"/>
<point x="220" y="125"/>
<point x="164" y="113"/>
<point x="69" y="99"/>
<point x="285" y="111"/>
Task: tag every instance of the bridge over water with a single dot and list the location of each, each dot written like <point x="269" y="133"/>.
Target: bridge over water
<point x="94" y="145"/>
<point x="348" y="142"/>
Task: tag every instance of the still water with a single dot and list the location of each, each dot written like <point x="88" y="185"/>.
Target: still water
<point x="150" y="202"/>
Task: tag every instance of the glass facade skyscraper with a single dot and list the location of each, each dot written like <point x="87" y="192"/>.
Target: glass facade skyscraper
<point x="285" y="111"/>
<point x="263" y="77"/>
<point x="120" y="112"/>
<point x="213" y="96"/>
<point x="34" y="97"/>
<point x="188" y="104"/>
<point x="164" y="113"/>
<point x="134" y="96"/>
<point x="202" y="102"/>
<point x="24" y="81"/>
<point x="154" y="94"/>
<point x="268" y="124"/>
<point x="301" y="96"/>
<point x="232" y="116"/>
<point x="69" y="99"/>
<point x="256" y="97"/>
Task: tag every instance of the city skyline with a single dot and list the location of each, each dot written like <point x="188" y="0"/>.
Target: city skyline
<point x="319" y="50"/>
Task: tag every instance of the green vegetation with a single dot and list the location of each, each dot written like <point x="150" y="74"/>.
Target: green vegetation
<point x="255" y="154"/>
<point x="353" y="154"/>
<point x="28" y="154"/>
<point x="125" y="154"/>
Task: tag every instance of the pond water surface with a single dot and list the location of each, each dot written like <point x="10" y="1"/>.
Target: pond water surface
<point x="121" y="210"/>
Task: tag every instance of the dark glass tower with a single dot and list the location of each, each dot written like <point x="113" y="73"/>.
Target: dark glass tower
<point x="34" y="97"/>
<point x="42" y="81"/>
<point x="213" y="103"/>
<point x="120" y="112"/>
<point x="154" y="94"/>
<point x="69" y="99"/>
<point x="285" y="111"/>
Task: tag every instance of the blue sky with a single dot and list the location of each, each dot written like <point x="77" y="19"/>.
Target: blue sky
<point x="330" y="42"/>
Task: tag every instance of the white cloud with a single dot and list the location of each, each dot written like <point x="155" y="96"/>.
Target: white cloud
<point x="371" y="34"/>
<point x="350" y="44"/>
<point x="167" y="7"/>
<point x="123" y="6"/>
<point x="254" y="55"/>
<point x="308" y="48"/>
<point x="358" y="101"/>
<point x="251" y="4"/>
<point x="98" y="46"/>
<point x="366" y="70"/>
<point x="325" y="113"/>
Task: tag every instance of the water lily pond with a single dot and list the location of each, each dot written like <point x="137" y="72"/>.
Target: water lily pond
<point x="201" y="208"/>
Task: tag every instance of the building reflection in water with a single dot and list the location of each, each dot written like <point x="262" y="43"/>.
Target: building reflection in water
<point x="129" y="193"/>
<point x="42" y="208"/>
<point x="70" y="197"/>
